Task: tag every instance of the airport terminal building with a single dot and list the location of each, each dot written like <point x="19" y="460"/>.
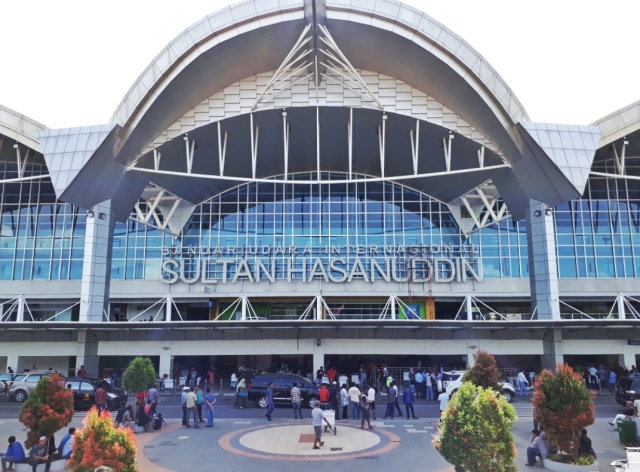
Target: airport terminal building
<point x="312" y="182"/>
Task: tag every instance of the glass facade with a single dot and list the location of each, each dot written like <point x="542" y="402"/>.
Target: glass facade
<point x="291" y="230"/>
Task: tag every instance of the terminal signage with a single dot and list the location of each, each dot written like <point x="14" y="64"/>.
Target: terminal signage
<point x="308" y="264"/>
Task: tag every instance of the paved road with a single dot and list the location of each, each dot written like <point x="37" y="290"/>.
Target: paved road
<point x="243" y="438"/>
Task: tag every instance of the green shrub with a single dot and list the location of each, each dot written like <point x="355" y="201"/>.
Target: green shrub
<point x="476" y="431"/>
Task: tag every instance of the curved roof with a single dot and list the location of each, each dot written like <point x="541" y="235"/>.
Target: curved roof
<point x="336" y="42"/>
<point x="21" y="128"/>
<point x="434" y="59"/>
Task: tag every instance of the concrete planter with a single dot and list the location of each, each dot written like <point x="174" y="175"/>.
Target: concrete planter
<point x="563" y="467"/>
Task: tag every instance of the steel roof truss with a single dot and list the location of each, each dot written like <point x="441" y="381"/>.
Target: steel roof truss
<point x="222" y="148"/>
<point x="415" y="142"/>
<point x="620" y="159"/>
<point x="294" y="56"/>
<point x="382" y="138"/>
<point x="336" y="57"/>
<point x="189" y="147"/>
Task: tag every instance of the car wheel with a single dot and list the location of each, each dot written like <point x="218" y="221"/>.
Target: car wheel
<point x="20" y="396"/>
<point x="3" y="386"/>
<point x="262" y="402"/>
<point x="312" y="402"/>
<point x="507" y="395"/>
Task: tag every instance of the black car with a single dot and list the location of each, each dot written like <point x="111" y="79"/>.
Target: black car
<point x="282" y="384"/>
<point x="84" y="392"/>
<point x="627" y="389"/>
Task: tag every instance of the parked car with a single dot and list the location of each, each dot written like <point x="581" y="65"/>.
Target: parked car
<point x="84" y="392"/>
<point x="6" y="379"/>
<point x="282" y="384"/>
<point x="627" y="390"/>
<point x="453" y="380"/>
<point x="24" y="383"/>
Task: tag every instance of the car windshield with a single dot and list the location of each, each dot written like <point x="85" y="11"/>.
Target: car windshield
<point x="19" y="377"/>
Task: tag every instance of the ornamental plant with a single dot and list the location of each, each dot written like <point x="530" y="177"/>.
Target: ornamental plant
<point x="48" y="409"/>
<point x="484" y="372"/>
<point x="139" y="375"/>
<point x="475" y="431"/>
<point x="563" y="406"/>
<point x="99" y="443"/>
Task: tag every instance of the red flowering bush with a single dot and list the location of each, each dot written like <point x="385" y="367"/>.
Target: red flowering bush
<point x="563" y="406"/>
<point x="100" y="443"/>
<point x="48" y="409"/>
<point x="475" y="431"/>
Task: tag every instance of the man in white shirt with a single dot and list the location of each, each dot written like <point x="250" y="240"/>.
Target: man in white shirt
<point x="523" y="383"/>
<point x="371" y="398"/>
<point x="318" y="416"/>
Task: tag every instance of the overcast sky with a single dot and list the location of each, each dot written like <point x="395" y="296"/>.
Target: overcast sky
<point x="70" y="62"/>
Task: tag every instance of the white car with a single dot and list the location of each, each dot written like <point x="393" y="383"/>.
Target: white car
<point x="451" y="382"/>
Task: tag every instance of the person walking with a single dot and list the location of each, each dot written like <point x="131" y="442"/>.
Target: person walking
<point x="371" y="398"/>
<point x="523" y="383"/>
<point x="209" y="400"/>
<point x="318" y="417"/>
<point x="241" y="393"/>
<point x="296" y="401"/>
<point x="407" y="399"/>
<point x="270" y="405"/>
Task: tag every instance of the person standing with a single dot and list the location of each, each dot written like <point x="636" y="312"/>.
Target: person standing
<point x="371" y="398"/>
<point x="443" y="398"/>
<point x="429" y="381"/>
<point x="419" y="383"/>
<point x="390" y="412"/>
<point x="152" y="396"/>
<point x="344" y="401"/>
<point x="296" y="401"/>
<point x="318" y="417"/>
<point x="270" y="405"/>
<point x="612" y="380"/>
<point x="199" y="403"/>
<point x="334" y="398"/>
<point x="209" y="401"/>
<point x="365" y="410"/>
<point x="407" y="399"/>
<point x="183" y="402"/>
<point x="192" y="409"/>
<point x="211" y="375"/>
<point x="325" y="397"/>
<point x="394" y="386"/>
<point x="354" y="401"/>
<point x="101" y="399"/>
<point x="13" y="455"/>
<point x="523" y="383"/>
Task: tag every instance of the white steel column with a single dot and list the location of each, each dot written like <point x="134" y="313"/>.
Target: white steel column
<point x="168" y="308"/>
<point x="620" y="303"/>
<point x="469" y="303"/>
